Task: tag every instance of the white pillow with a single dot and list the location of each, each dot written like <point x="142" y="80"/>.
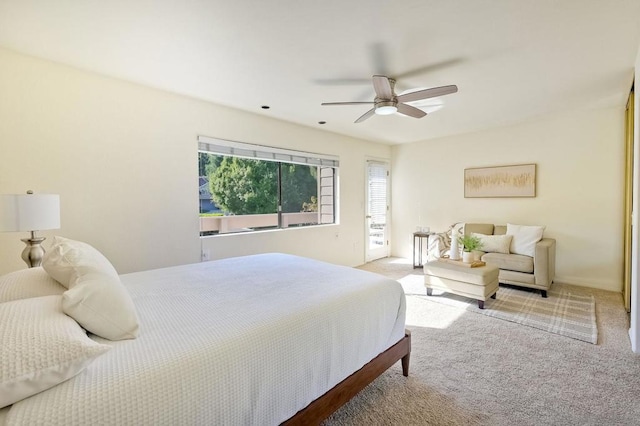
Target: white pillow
<point x="67" y="259"/>
<point x="494" y="243"/>
<point x="96" y="298"/>
<point x="26" y="283"/>
<point x="40" y="347"/>
<point x="524" y="238"/>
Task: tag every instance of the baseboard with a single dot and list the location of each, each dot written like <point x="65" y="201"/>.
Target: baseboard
<point x="590" y="282"/>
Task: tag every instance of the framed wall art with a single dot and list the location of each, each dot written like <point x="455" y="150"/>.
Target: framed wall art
<point x="500" y="181"/>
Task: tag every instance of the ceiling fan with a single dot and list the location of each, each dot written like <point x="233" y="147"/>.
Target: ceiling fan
<point x="387" y="102"/>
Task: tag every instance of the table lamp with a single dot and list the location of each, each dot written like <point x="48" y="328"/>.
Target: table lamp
<point x="30" y="213"/>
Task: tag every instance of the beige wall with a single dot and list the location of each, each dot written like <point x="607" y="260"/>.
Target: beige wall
<point x="579" y="198"/>
<point x="124" y="160"/>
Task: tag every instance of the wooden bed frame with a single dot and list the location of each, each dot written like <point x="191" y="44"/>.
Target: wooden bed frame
<point x="336" y="397"/>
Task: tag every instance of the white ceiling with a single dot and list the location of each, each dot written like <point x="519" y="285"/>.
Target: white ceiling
<point x="512" y="60"/>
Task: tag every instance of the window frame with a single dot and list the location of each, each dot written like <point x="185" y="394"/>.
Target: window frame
<point x="325" y="210"/>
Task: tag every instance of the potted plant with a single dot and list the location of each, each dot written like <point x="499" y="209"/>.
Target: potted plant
<point x="469" y="244"/>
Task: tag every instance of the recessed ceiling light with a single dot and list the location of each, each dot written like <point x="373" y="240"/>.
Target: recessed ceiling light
<point x="265" y="107"/>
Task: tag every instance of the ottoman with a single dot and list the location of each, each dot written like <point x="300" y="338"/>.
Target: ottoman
<point x="476" y="283"/>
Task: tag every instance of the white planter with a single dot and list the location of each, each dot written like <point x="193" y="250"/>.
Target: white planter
<point x="467" y="257"/>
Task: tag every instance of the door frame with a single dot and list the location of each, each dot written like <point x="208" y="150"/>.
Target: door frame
<point x="628" y="199"/>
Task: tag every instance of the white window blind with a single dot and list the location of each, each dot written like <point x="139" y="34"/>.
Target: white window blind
<point x="239" y="149"/>
<point x="377" y="192"/>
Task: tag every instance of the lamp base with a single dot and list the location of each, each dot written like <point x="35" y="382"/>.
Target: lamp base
<point x="33" y="252"/>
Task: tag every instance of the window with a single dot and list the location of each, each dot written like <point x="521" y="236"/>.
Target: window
<point x="250" y="187"/>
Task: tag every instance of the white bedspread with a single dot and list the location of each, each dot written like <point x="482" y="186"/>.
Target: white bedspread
<point x="241" y="341"/>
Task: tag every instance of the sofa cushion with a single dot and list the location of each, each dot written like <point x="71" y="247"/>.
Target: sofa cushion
<point x="478" y="228"/>
<point x="511" y="262"/>
<point x="518" y="278"/>
<point x="475" y="276"/>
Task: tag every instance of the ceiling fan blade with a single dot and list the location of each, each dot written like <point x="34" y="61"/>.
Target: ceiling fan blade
<point x="382" y="86"/>
<point x="346" y="103"/>
<point x="366" y="115"/>
<point x="410" y="111"/>
<point x="428" y="93"/>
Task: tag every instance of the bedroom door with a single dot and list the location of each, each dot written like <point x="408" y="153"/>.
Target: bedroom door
<point x="377" y="226"/>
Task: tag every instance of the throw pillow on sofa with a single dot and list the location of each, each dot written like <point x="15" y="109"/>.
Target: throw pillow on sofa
<point x="494" y="243"/>
<point x="524" y="238"/>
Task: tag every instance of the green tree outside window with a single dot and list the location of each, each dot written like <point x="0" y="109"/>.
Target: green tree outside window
<point x="243" y="186"/>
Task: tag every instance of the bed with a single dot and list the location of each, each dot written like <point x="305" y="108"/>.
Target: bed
<point x="262" y="339"/>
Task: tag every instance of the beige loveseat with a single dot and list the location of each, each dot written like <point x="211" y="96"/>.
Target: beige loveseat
<point x="537" y="271"/>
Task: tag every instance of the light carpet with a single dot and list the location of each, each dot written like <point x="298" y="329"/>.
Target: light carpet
<point x="469" y="369"/>
<point x="562" y="312"/>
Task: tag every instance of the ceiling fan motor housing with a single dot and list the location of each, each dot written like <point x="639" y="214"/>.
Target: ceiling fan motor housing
<point x="386" y="107"/>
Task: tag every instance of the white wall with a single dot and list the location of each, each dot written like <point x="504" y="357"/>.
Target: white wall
<point x="579" y="199"/>
<point x="123" y="158"/>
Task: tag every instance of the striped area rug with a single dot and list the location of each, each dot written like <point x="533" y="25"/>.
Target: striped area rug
<point x="562" y="312"/>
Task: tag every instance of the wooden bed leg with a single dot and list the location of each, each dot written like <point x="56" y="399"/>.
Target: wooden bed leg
<point x="481" y="304"/>
<point x="405" y="359"/>
<point x="544" y="293"/>
<point x="429" y="291"/>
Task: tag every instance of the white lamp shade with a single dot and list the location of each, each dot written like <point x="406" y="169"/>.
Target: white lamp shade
<point x="29" y="212"/>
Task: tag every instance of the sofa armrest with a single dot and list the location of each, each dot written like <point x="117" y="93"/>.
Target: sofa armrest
<point x="544" y="262"/>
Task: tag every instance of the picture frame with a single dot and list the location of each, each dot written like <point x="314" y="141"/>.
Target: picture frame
<point x="511" y="181"/>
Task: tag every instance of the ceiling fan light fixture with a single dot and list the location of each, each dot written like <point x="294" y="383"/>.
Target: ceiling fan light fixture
<point x="387" y="102"/>
<point x="386" y="110"/>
